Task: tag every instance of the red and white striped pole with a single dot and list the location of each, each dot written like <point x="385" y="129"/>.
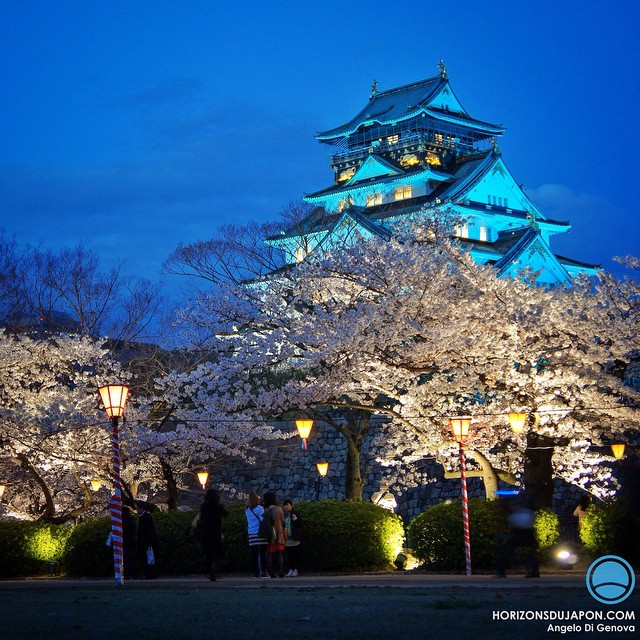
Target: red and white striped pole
<point x="465" y="510"/>
<point x="460" y="428"/>
<point x="115" y="507"/>
<point x="114" y="398"/>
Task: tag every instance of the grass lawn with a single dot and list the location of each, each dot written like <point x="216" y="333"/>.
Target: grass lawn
<point x="212" y="611"/>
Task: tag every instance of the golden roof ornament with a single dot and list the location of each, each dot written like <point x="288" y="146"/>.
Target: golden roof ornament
<point x="443" y="70"/>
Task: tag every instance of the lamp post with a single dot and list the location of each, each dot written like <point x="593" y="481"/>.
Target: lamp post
<point x="460" y="428"/>
<point x="617" y="448"/>
<point x="203" y="476"/>
<point x="114" y="398"/>
<point x="304" y="430"/>
<point x="323" y="468"/>
<point x="517" y="422"/>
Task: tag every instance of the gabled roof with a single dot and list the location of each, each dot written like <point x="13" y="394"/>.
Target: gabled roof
<point x="433" y="97"/>
<point x="421" y="173"/>
<point x="513" y="245"/>
<point x="374" y="167"/>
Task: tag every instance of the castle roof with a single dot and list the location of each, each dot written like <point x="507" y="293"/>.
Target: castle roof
<point x="432" y="97"/>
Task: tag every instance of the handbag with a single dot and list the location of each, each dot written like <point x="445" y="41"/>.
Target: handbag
<point x="150" y="557"/>
<point x="266" y="530"/>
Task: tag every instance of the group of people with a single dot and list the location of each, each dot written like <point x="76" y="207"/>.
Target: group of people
<point x="274" y="534"/>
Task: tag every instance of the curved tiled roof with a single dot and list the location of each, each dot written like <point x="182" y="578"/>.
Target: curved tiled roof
<point x="408" y="101"/>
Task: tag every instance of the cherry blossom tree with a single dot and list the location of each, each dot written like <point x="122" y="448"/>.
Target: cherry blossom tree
<point x="412" y="328"/>
<point x="53" y="442"/>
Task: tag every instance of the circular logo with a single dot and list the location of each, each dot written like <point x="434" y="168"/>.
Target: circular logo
<point x="610" y="579"/>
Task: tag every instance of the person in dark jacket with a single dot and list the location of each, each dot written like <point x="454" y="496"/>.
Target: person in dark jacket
<point x="129" y="543"/>
<point x="147" y="540"/>
<point x="211" y="514"/>
<point x="293" y="530"/>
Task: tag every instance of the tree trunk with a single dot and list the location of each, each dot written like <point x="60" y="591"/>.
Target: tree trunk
<point x="49" y="510"/>
<point x="354" y="482"/>
<point x="172" y="485"/>
<point x="538" y="471"/>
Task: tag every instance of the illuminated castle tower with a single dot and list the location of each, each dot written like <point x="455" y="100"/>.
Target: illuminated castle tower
<point x="414" y="149"/>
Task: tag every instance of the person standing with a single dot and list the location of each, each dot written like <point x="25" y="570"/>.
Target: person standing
<point x="147" y="541"/>
<point x="129" y="543"/>
<point x="581" y="509"/>
<point x="211" y="514"/>
<point x="293" y="531"/>
<point x="274" y="516"/>
<point x="254" y="513"/>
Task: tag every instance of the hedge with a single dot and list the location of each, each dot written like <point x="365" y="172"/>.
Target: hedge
<point x="337" y="536"/>
<point x="436" y="535"/>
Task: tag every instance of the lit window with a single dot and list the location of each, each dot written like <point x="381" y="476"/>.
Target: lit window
<point x="373" y="199"/>
<point x="483" y="234"/>
<point x="393" y="139"/>
<point x="402" y="193"/>
<point x="461" y="230"/>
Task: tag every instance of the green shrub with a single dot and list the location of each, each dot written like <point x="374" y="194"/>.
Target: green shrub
<point x="86" y="553"/>
<point x="29" y="547"/>
<point x="348" y="536"/>
<point x="436" y="535"/>
<point x="547" y="528"/>
<point x="611" y="528"/>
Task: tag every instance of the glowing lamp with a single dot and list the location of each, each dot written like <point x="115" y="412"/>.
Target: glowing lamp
<point x="95" y="485"/>
<point x="460" y="428"/>
<point x="304" y="429"/>
<point x="203" y="476"/>
<point x="114" y="399"/>
<point x="517" y="422"/>
<point x="2" y="490"/>
<point x="618" y="450"/>
<point x="323" y="468"/>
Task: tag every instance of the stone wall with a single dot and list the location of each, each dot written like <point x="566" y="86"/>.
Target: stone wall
<point x="291" y="472"/>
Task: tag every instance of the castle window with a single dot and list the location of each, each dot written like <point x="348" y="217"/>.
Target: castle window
<point x="374" y="199"/>
<point x="461" y="230"/>
<point x="483" y="234"/>
<point x="393" y="139"/>
<point x="402" y="193"/>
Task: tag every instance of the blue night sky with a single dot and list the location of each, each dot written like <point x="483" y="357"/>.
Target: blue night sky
<point x="136" y="125"/>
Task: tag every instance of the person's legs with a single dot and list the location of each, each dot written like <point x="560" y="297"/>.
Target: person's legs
<point x="262" y="560"/>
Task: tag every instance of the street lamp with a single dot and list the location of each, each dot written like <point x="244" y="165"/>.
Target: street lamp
<point x="517" y="422"/>
<point x="460" y="428"/>
<point x="304" y="430"/>
<point x="323" y="468"/>
<point x="114" y="399"/>
<point x="617" y="448"/>
<point x="203" y="476"/>
<point x="95" y="485"/>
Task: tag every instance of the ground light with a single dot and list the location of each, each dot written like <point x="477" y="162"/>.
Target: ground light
<point x="114" y="398"/>
<point x="460" y="428"/>
<point x="3" y="488"/>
